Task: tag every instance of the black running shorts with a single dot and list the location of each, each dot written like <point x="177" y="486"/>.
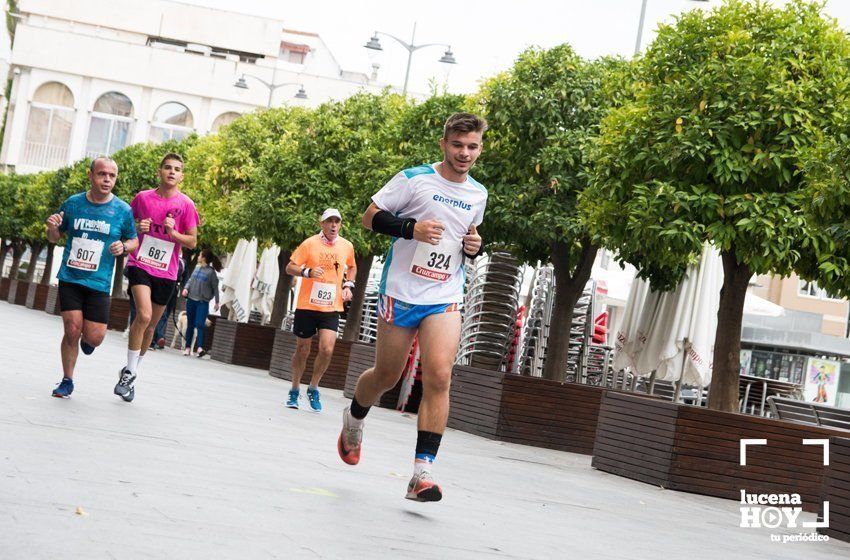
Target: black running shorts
<point x="161" y="288"/>
<point x="76" y="297"/>
<point x="308" y="322"/>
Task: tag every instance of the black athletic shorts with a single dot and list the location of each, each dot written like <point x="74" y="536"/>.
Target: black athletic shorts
<point x="161" y="288"/>
<point x="308" y="322"/>
<point x="76" y="297"/>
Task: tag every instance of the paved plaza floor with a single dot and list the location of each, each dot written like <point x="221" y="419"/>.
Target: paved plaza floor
<point x="207" y="464"/>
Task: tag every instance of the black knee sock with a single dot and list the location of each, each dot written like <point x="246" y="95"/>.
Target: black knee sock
<point x="427" y="445"/>
<point x="357" y="410"/>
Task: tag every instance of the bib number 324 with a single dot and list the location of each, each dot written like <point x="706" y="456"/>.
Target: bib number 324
<point x="436" y="263"/>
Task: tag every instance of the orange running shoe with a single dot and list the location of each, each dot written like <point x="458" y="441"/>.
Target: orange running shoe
<point x="349" y="443"/>
<point x="422" y="488"/>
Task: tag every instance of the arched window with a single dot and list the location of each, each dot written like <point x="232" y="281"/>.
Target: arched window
<point x="171" y="120"/>
<point x="224" y="119"/>
<point x="49" y="127"/>
<point x="110" y="126"/>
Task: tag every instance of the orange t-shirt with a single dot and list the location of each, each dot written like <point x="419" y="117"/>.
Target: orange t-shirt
<point x="323" y="294"/>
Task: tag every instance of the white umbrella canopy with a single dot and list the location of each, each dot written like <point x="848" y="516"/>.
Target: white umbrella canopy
<point x="754" y="305"/>
<point x="265" y="282"/>
<point x="689" y="352"/>
<point x="236" y="285"/>
<point x="672" y="333"/>
<point x="629" y="338"/>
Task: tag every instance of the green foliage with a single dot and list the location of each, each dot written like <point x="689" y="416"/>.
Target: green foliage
<point x="12" y="223"/>
<point x="542" y="115"/>
<point x="710" y="148"/>
<point x="420" y="128"/>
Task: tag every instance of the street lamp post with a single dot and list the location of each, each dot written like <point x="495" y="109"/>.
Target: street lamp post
<point x="640" y="23"/>
<point x="242" y="84"/>
<point x="375" y="45"/>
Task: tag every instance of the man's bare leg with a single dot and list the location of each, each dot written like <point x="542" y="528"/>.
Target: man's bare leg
<point x="327" y="341"/>
<point x="391" y="352"/>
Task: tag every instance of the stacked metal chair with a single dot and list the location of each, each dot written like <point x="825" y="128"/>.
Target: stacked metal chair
<point x="490" y="308"/>
<point x="532" y="350"/>
<point x="369" y="312"/>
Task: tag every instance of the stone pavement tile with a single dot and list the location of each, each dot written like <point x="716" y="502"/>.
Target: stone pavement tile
<point x="207" y="463"/>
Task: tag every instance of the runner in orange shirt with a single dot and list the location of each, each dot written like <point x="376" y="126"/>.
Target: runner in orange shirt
<point x="325" y="262"/>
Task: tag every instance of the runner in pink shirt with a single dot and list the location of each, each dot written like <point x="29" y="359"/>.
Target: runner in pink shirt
<point x="166" y="221"/>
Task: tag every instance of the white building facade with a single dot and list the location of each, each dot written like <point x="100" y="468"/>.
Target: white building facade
<point x="93" y="76"/>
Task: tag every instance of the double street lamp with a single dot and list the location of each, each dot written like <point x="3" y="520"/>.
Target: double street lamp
<point x="375" y="45"/>
<point x="242" y="84"/>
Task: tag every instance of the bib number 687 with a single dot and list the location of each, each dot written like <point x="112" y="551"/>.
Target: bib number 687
<point x="155" y="253"/>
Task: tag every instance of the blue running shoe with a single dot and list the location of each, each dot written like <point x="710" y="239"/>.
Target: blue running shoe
<point x="292" y="402"/>
<point x="64" y="389"/>
<point x="86" y="347"/>
<point x="313" y="397"/>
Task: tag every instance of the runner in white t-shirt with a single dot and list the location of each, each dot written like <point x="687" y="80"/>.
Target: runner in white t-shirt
<point x="432" y="213"/>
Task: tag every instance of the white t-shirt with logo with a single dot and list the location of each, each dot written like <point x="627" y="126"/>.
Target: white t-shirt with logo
<point x="421" y="273"/>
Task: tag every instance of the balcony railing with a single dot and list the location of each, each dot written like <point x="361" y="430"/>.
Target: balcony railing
<point x="46" y="156"/>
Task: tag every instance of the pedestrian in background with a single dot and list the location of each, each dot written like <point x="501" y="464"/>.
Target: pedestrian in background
<point x="199" y="291"/>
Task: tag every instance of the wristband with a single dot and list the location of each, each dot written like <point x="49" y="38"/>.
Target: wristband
<point x="348" y="284"/>
<point x="305" y="272"/>
<point x="473" y="257"/>
<point x="386" y="223"/>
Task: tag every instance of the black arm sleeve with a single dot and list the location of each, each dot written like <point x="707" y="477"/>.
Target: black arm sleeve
<point x="386" y="223"/>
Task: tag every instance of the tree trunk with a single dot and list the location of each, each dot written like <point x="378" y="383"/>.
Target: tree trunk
<point x="281" y="292"/>
<point x="17" y="253"/>
<point x="727" y="340"/>
<point x="568" y="288"/>
<point x="190" y="256"/>
<point x="4" y="250"/>
<point x="48" y="264"/>
<point x="35" y="251"/>
<point x="118" y="278"/>
<point x="352" y="323"/>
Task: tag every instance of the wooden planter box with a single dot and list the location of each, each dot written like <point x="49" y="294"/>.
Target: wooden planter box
<point x="361" y="358"/>
<point x="281" y="362"/>
<point x="119" y="314"/>
<point x="242" y="344"/>
<point x="22" y="290"/>
<point x="836" y="489"/>
<point x="37" y="296"/>
<point x="4" y="288"/>
<point x="525" y="410"/>
<point x="51" y="305"/>
<point x="697" y="450"/>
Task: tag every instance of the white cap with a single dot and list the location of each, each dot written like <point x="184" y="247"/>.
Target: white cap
<point x="330" y="213"/>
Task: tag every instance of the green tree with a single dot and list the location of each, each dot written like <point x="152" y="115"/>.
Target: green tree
<point x="240" y="174"/>
<point x="710" y="150"/>
<point x="352" y="149"/>
<point x="12" y="223"/>
<point x="543" y="114"/>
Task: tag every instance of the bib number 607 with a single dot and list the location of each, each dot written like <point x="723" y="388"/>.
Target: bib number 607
<point x="85" y="255"/>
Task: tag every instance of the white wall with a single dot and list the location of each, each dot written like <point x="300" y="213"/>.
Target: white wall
<point x="160" y="18"/>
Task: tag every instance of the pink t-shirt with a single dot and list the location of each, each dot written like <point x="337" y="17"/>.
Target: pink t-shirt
<point x="152" y="256"/>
